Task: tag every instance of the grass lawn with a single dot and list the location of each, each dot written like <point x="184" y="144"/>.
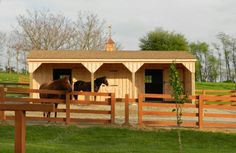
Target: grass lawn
<point x="215" y="86"/>
<point x="12" y="77"/>
<point x="71" y="139"/>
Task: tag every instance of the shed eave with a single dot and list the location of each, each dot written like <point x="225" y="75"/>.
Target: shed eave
<point x="110" y="60"/>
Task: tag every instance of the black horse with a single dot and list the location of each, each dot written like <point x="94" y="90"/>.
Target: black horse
<point x="61" y="84"/>
<point x="86" y="86"/>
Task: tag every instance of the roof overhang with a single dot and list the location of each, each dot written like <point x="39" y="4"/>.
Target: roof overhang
<point x="111" y="60"/>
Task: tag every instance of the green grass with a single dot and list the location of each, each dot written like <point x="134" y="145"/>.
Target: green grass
<point x="71" y="139"/>
<point x="11" y="77"/>
<point x="215" y="86"/>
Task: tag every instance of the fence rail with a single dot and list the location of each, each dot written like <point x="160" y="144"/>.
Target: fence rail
<point x="200" y="114"/>
<point x="203" y="110"/>
<point x="67" y="106"/>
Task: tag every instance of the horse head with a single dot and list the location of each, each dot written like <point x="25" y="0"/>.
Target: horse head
<point x="104" y="80"/>
<point x="66" y="85"/>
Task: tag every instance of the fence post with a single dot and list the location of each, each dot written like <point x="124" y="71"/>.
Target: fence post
<point x="200" y="111"/>
<point x="203" y="92"/>
<point x="112" y="108"/>
<point x="140" y="103"/>
<point x="67" y="107"/>
<point x="2" y="96"/>
<point x="20" y="132"/>
<point x="126" y="109"/>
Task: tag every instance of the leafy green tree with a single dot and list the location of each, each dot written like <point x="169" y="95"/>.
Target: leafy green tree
<point x="160" y="39"/>
<point x="201" y="51"/>
<point x="213" y="65"/>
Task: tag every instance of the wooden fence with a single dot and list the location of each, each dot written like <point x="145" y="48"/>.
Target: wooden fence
<point x="68" y="110"/>
<point x="14" y="84"/>
<point x="202" y="110"/>
<point x="207" y="111"/>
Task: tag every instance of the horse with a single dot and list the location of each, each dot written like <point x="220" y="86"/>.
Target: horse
<point x="86" y="86"/>
<point x="60" y="84"/>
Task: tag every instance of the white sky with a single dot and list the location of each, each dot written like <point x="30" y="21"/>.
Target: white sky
<point x="131" y="19"/>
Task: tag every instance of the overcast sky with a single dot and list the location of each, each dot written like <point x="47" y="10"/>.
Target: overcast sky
<point x="131" y="19"/>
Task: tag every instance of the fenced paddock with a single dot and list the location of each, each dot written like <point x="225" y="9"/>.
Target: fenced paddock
<point x="203" y="110"/>
<point x="68" y="110"/>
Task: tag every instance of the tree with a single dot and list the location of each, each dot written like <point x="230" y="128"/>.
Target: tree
<point x="201" y="51"/>
<point x="179" y="97"/>
<point x="227" y="48"/>
<point x="43" y="30"/>
<point x="233" y="44"/>
<point x="225" y="41"/>
<point x="212" y="67"/>
<point x="90" y="31"/>
<point x="2" y="44"/>
<point x="160" y="39"/>
<point x="217" y="47"/>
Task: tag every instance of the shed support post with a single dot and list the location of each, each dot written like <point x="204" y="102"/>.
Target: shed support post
<point x="92" y="82"/>
<point x="31" y="84"/>
<point x="133" y="85"/>
<point x="133" y="67"/>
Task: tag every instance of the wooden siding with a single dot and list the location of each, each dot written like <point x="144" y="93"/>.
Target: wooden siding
<point x="118" y="75"/>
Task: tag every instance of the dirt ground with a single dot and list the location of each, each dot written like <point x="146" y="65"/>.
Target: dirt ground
<point x="133" y="107"/>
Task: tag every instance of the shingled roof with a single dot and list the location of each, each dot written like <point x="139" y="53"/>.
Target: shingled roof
<point x="43" y="54"/>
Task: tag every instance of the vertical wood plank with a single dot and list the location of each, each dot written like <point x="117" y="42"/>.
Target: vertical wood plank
<point x="200" y="111"/>
<point x="126" y="109"/>
<point x="19" y="131"/>
<point x="92" y="82"/>
<point x="67" y="108"/>
<point x="2" y="95"/>
<point x="92" y="87"/>
<point x="203" y="92"/>
<point x="140" y="101"/>
<point x="112" y="108"/>
<point x="133" y="85"/>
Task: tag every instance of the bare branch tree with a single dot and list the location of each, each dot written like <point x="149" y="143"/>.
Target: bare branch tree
<point x="43" y="30"/>
<point x="225" y="40"/>
<point x="91" y="32"/>
<point x="2" y="44"/>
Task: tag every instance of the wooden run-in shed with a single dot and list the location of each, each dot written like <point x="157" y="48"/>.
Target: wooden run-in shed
<point x="128" y="72"/>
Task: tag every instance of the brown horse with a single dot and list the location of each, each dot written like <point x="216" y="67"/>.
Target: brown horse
<point x="61" y="84"/>
<point x="86" y="86"/>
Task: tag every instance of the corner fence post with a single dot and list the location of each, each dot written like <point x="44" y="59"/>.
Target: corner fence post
<point x="200" y="111"/>
<point x="20" y="132"/>
<point x="2" y="96"/>
<point x="126" y="109"/>
<point x="112" y="108"/>
<point x="140" y="103"/>
<point x="67" y="108"/>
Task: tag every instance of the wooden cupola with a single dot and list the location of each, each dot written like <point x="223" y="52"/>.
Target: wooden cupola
<point x="110" y="44"/>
